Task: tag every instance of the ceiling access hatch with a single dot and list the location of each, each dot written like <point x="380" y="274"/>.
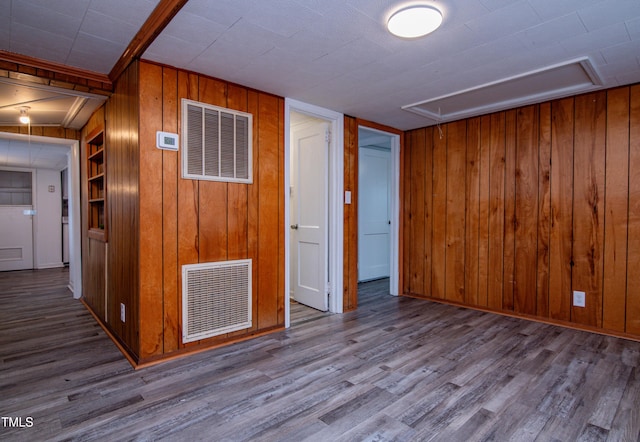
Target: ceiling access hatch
<point x="551" y="82"/>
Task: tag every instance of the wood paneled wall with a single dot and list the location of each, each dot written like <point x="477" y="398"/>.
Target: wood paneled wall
<point x="110" y="269"/>
<point x="513" y="211"/>
<point x="350" y="230"/>
<point x="186" y="221"/>
<point x="43" y="131"/>
<point x="122" y="176"/>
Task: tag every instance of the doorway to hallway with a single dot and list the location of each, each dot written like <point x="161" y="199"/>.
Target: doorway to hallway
<point x="378" y="207"/>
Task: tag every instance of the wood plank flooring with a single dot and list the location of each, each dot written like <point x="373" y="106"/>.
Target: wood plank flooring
<point x="395" y="369"/>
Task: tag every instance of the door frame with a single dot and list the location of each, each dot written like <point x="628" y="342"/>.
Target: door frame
<point x="73" y="183"/>
<point x="336" y="198"/>
<point x="394" y="278"/>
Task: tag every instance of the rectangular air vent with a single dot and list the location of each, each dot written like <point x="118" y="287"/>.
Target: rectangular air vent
<point x="216" y="143"/>
<point x="551" y="82"/>
<point x="216" y="298"/>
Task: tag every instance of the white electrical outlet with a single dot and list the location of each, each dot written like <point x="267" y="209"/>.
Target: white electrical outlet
<point x="122" y="312"/>
<point x="579" y="299"/>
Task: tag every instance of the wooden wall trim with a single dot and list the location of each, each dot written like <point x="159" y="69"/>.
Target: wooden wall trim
<point x="155" y="23"/>
<point x="39" y="64"/>
<point x="558" y="322"/>
<point x="381" y="127"/>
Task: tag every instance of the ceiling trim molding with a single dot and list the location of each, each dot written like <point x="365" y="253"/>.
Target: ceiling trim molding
<point x="152" y="27"/>
<point x="52" y="66"/>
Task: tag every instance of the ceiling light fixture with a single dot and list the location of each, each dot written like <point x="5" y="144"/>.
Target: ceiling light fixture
<point x="414" y="21"/>
<point x="24" y="115"/>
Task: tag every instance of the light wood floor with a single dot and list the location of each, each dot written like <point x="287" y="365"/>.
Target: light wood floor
<point x="395" y="369"/>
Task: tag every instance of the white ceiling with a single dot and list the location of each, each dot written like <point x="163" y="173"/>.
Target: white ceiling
<point x="46" y="105"/>
<point x="36" y="152"/>
<point x="337" y="53"/>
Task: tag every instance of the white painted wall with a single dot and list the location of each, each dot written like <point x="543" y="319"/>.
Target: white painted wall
<point x="48" y="220"/>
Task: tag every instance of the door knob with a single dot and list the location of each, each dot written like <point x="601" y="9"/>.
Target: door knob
<point x="294" y="226"/>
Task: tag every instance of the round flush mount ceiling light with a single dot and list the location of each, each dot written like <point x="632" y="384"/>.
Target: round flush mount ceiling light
<point x="414" y="21"/>
<point x="24" y="115"/>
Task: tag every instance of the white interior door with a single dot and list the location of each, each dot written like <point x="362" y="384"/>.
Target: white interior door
<point x="309" y="215"/>
<point x="374" y="213"/>
<point x="16" y="220"/>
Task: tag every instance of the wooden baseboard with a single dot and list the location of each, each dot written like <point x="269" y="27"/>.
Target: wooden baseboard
<point x="137" y="363"/>
<point x="114" y="338"/>
<point x="178" y="354"/>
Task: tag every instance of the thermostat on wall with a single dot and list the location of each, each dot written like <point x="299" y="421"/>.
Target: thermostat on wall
<point x="166" y="140"/>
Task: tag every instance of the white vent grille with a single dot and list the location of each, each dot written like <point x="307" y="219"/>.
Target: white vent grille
<point x="217" y="143"/>
<point x="216" y="298"/>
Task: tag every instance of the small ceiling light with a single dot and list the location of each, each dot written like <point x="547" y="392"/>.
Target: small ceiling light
<point x="24" y="115"/>
<point x="414" y="21"/>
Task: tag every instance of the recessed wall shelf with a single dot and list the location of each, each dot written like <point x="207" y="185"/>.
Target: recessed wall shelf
<point x="96" y="182"/>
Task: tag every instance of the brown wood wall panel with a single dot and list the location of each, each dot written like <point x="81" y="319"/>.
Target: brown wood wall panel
<point x="561" y="210"/>
<point x="526" y="210"/>
<point x="406" y="215"/>
<point x="483" y="227"/>
<point x="269" y="120"/>
<point x="588" y="205"/>
<point x="350" y="232"/>
<point x="439" y="203"/>
<point x="253" y="211"/>
<point x="616" y="216"/>
<point x="544" y="209"/>
<point x="427" y="257"/>
<point x="472" y="228"/>
<point x="45" y="131"/>
<point x="561" y="234"/>
<point x="121" y="134"/>
<point x="94" y="288"/>
<point x="455" y="171"/>
<point x="632" y="312"/>
<point x="188" y="208"/>
<point x="170" y="174"/>
<point x="509" y="212"/>
<point x="417" y="217"/>
<point x="496" y="166"/>
<point x="151" y="204"/>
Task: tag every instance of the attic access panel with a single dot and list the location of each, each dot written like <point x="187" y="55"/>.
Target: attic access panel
<point x="556" y="81"/>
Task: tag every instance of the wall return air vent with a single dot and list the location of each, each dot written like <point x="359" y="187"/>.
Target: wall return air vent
<point x="216" y="298"/>
<point x="216" y="143"/>
<point x="551" y="82"/>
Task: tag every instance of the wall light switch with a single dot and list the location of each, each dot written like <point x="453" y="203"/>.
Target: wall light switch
<point x="347" y="197"/>
<point x="579" y="299"/>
